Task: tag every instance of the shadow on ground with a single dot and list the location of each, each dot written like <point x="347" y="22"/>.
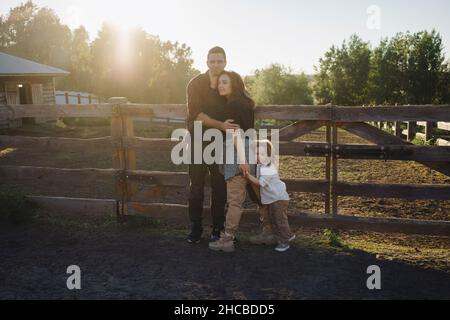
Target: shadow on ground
<point x="128" y="263"/>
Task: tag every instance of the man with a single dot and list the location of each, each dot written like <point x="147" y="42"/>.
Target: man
<point x="202" y="93"/>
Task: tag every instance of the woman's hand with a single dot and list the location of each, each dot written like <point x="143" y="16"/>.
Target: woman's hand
<point x="228" y="125"/>
<point x="253" y="181"/>
<point x="244" y="168"/>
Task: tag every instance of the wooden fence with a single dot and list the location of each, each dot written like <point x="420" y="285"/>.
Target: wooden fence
<point x="79" y="97"/>
<point x="124" y="176"/>
<point x="411" y="130"/>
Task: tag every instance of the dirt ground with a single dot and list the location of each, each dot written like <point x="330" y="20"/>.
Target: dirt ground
<point x="152" y="261"/>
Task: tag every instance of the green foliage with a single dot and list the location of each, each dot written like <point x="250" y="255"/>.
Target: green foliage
<point x="148" y="70"/>
<point x="409" y="68"/>
<point x="36" y="34"/>
<point x="277" y="85"/>
<point x="343" y="74"/>
<point x="332" y="237"/>
<point x="139" y="222"/>
<point x="406" y="69"/>
<point x="137" y="65"/>
<point x="16" y="208"/>
<point x="60" y="123"/>
<point x="422" y="142"/>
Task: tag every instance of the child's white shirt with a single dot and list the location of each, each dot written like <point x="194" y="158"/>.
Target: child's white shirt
<point x="271" y="187"/>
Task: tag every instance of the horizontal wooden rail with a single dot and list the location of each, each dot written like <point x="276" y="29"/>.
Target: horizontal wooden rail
<point x="442" y="142"/>
<point x="403" y="191"/>
<point x="392" y="152"/>
<point x="173" y="213"/>
<point x="392" y="113"/>
<point x="379" y="137"/>
<point x="140" y="143"/>
<point x="53" y="142"/>
<point x="75" y="96"/>
<point x="314" y="149"/>
<point x="280" y="112"/>
<point x="59" y="110"/>
<point x="98" y="178"/>
<point x="444" y="125"/>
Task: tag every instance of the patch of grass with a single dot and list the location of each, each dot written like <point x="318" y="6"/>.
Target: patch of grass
<point x="388" y="130"/>
<point x="60" y="124"/>
<point x="433" y="254"/>
<point x="4" y="152"/>
<point x="136" y="221"/>
<point x="422" y="142"/>
<point x="332" y="237"/>
<point x="16" y="208"/>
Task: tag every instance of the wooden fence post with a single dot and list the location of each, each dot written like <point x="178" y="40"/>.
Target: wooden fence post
<point x="428" y="130"/>
<point x="328" y="168"/>
<point x="334" y="209"/>
<point x="123" y="152"/>
<point x="411" y="130"/>
<point x="397" y="129"/>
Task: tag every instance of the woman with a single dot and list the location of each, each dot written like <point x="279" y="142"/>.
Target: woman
<point x="240" y="107"/>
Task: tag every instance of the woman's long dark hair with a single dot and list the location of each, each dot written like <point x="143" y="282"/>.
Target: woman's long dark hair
<point x="238" y="89"/>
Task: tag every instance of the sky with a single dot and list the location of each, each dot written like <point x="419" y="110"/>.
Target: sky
<point x="256" y="33"/>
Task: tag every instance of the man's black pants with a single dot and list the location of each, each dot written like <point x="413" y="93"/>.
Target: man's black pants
<point x="197" y="174"/>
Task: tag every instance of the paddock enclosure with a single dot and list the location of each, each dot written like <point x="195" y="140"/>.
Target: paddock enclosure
<point x="133" y="188"/>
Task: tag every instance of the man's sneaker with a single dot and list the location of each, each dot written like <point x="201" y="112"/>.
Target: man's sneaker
<point x="213" y="238"/>
<point x="282" y="246"/>
<point x="225" y="244"/>
<point x="193" y="238"/>
<point x="196" y="233"/>
<point x="263" y="238"/>
<point x="215" y="235"/>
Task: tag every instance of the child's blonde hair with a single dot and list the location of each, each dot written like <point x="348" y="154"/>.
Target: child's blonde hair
<point x="271" y="152"/>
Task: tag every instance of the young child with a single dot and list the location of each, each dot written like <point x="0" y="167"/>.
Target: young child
<point x="273" y="193"/>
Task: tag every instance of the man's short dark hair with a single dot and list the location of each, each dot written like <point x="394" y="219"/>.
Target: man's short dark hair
<point x="217" y="50"/>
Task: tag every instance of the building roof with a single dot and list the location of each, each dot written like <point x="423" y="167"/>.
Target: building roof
<point x="15" y="66"/>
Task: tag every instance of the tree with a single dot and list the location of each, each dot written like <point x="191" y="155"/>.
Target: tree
<point x="406" y="69"/>
<point x="343" y="74"/>
<point x="425" y="64"/>
<point x="388" y="79"/>
<point x="277" y="85"/>
<point x="80" y="59"/>
<point x="443" y="87"/>
<point x="144" y="69"/>
<point x="13" y="25"/>
<point x="36" y="34"/>
<point x="135" y="64"/>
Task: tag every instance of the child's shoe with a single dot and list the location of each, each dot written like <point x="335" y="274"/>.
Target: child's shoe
<point x="282" y="246"/>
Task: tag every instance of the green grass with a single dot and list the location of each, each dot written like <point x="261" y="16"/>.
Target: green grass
<point x="141" y="222"/>
<point x="431" y="255"/>
<point x="16" y="208"/>
<point x="332" y="237"/>
<point x="422" y="142"/>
